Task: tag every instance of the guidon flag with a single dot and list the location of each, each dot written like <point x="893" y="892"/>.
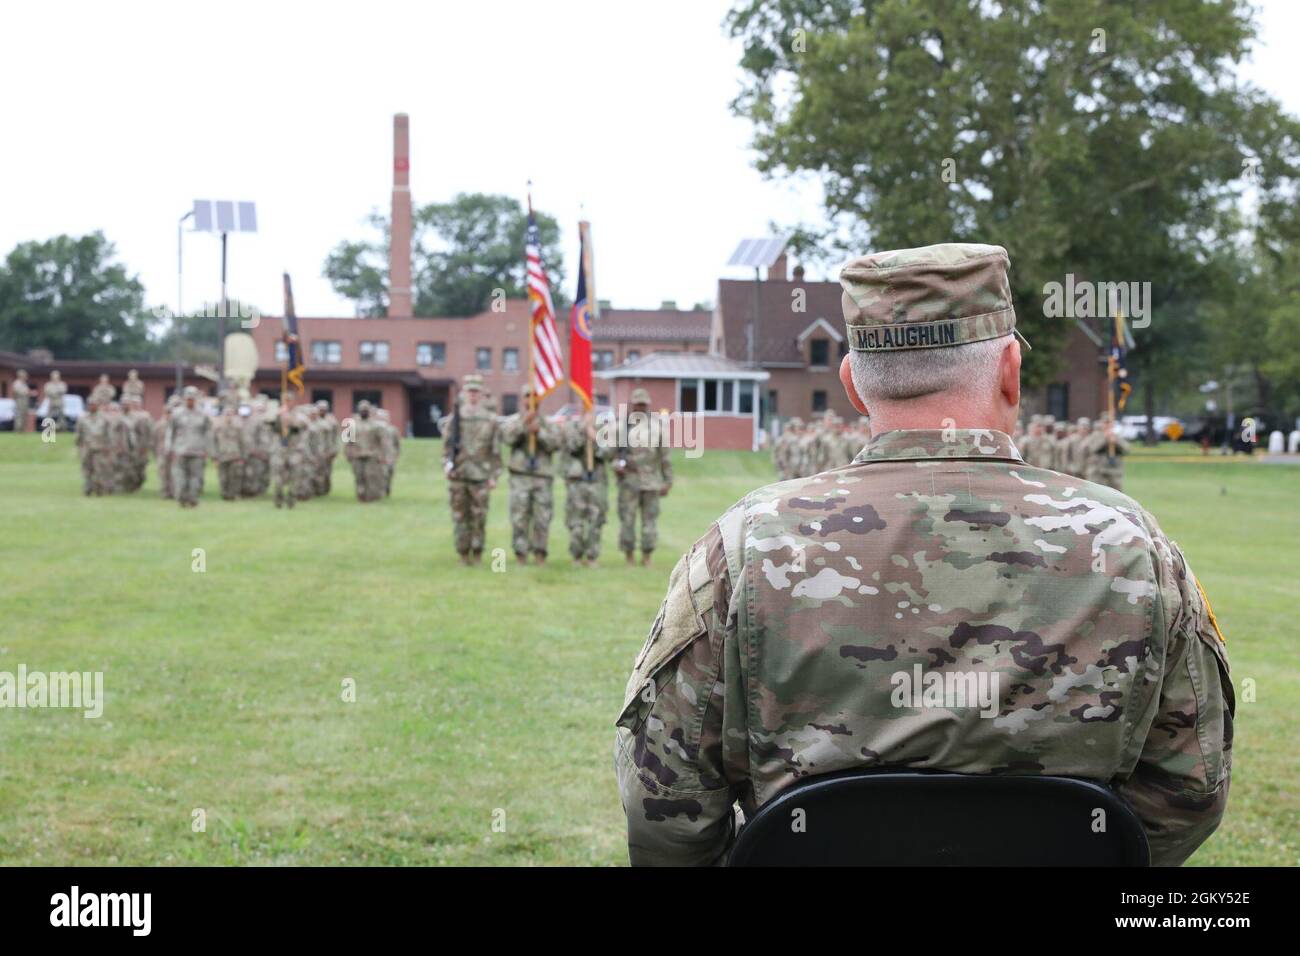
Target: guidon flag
<point x="580" y="331"/>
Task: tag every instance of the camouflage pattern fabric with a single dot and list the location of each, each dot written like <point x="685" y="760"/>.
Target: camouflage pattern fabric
<point x="586" y="499"/>
<point x="470" y="466"/>
<point x="631" y="503"/>
<point x="22" y="395"/>
<point x="189" y="437"/>
<point x="531" y="501"/>
<point x="187" y="478"/>
<point x="469" y="507"/>
<point x="162" y="454"/>
<point x="778" y="650"/>
<point x="228" y="445"/>
<point x="646" y="470"/>
<point x="288" y="460"/>
<point x="93" y="444"/>
<point x="1098" y="463"/>
<point x="53" y="393"/>
<point x="121" y="453"/>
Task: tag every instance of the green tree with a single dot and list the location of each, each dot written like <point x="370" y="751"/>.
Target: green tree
<point x="463" y="250"/>
<point x="67" y="295"/>
<point x="1108" y="140"/>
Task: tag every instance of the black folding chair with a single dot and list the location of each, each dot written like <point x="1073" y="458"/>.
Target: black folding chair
<point x="926" y="818"/>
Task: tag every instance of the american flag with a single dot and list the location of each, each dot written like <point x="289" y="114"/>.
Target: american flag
<point x="547" y="359"/>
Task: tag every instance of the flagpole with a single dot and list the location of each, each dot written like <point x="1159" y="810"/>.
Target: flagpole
<point x="1113" y="375"/>
<point x="584" y="242"/>
<point x="532" y="396"/>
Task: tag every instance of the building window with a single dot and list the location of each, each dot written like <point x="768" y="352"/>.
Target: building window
<point x="771" y="401"/>
<point x="604" y="358"/>
<point x="372" y="396"/>
<point x="281" y="352"/>
<point x="728" y="403"/>
<point x="323" y="395"/>
<point x="689" y="400"/>
<point x="509" y="404"/>
<point x="326" y="352"/>
<point x="483" y="359"/>
<point x="432" y="354"/>
<point x="710" y="395"/>
<point x="745" y="397"/>
<point x="819" y="401"/>
<point x="509" y="360"/>
<point x="633" y="355"/>
<point x="374" y="353"/>
<point x="1058" y="400"/>
<point x="819" y="353"/>
<point x="602" y="398"/>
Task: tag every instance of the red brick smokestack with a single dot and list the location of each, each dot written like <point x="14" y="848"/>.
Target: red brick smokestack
<point x="399" y="252"/>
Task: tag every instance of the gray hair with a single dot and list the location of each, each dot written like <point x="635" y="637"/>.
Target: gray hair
<point x="915" y="373"/>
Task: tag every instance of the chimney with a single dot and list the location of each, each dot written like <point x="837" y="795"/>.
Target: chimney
<point x="776" y="271"/>
<point x="399" y="251"/>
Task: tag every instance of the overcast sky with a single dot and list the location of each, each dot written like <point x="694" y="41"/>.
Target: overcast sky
<point x="115" y="116"/>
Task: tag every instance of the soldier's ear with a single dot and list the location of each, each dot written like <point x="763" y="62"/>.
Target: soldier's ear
<point x="1009" y="372"/>
<point x="846" y="379"/>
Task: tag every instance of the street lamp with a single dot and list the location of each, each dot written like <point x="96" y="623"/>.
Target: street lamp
<point x="225" y="217"/>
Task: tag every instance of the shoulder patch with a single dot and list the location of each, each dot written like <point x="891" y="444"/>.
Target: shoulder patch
<point x="1209" y="612"/>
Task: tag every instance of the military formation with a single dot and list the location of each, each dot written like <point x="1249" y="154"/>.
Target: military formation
<point x="1075" y="448"/>
<point x="537" y="450"/>
<point x="802" y="450"/>
<point x="255" y="449"/>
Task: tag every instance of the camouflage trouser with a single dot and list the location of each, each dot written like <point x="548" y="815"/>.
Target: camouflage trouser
<point x="231" y="476"/>
<point x="139" y="469"/>
<point x="87" y="471"/>
<point x="324" y="474"/>
<point x="187" y="478"/>
<point x="103" y="471"/>
<point x="305" y="478"/>
<point x="123" y="472"/>
<point x="284" y="473"/>
<point x="388" y="477"/>
<point x="531" y="505"/>
<point x="585" y="506"/>
<point x="56" y="412"/>
<point x="630" y="501"/>
<point x="257" y="476"/>
<point x="165" y="466"/>
<point x="368" y="473"/>
<point x="20" y="416"/>
<point x="469" y="508"/>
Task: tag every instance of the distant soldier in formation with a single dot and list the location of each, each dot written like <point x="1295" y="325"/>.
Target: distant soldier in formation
<point x="532" y="441"/>
<point x="1075" y="455"/>
<point x="471" y="454"/>
<point x="229" y="450"/>
<point x="54" y="392"/>
<point x="140" y="423"/>
<point x="103" y="392"/>
<point x="586" y="499"/>
<point x="22" y="393"/>
<point x="645" y="474"/>
<point x="330" y="429"/>
<point x="365" y="453"/>
<point x="785" y="455"/>
<point x="260" y="439"/>
<point x="189" y="438"/>
<point x="288" y="458"/>
<point x="92" y="448"/>
<point x="391" y="448"/>
<point x="1103" y="453"/>
<point x="121" y="449"/>
<point x="162" y="447"/>
<point x="133" y="387"/>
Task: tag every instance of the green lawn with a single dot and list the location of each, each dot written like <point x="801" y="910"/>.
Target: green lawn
<point x="477" y="692"/>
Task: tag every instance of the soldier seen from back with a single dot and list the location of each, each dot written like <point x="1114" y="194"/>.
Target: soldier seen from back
<point x="791" y="626"/>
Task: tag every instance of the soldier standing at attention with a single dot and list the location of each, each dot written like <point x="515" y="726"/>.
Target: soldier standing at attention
<point x="586" y="490"/>
<point x="162" y="449"/>
<point x="287" y="456"/>
<point x="645" y="474"/>
<point x="228" y="446"/>
<point x="259" y="441"/>
<point x="471" y="459"/>
<point x="331" y="432"/>
<point x="778" y="650"/>
<point x="22" y="399"/>
<point x="390" y="448"/>
<point x="364" y="452"/>
<point x="121" y="441"/>
<point x="189" y="439"/>
<point x="532" y="441"/>
<point x="103" y="391"/>
<point x="1103" y="455"/>
<point x="53" y="393"/>
<point x="133" y="387"/>
<point x="141" y="426"/>
<point x="91" y="438"/>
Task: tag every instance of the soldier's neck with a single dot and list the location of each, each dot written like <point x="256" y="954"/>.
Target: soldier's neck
<point x="942" y="411"/>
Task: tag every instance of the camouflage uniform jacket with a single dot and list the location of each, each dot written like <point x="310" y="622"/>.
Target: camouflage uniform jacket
<point x="574" y="437"/>
<point x="514" y="435"/>
<point x="93" y="432"/>
<point x="189" y="433"/>
<point x="776" y="653"/>
<point x="478" y="456"/>
<point x="647" y="459"/>
<point x="228" y="440"/>
<point x="142" y="427"/>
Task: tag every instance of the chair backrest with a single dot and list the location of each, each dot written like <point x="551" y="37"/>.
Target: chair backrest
<point x="926" y="818"/>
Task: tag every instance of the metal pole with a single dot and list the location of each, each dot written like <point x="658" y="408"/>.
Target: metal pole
<point x="180" y="301"/>
<point x="221" y="320"/>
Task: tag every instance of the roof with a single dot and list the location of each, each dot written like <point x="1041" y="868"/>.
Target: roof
<point x="683" y="365"/>
<point x="38" y="366"/>
<point x="662" y="325"/>
<point x="780" y="325"/>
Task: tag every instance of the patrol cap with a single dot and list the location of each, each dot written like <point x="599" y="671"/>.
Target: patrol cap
<point x="796" y="422"/>
<point x="323" y="405"/>
<point x="472" y="382"/>
<point x="190" y="392"/>
<point x="640" y="396"/>
<point x="1084" y="423"/>
<point x="936" y="296"/>
<point x="363" y="405"/>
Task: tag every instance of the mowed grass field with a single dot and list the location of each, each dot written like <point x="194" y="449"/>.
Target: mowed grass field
<point x="481" y="697"/>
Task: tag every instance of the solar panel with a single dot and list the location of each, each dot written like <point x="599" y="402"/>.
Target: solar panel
<point x="757" y="253"/>
<point x="224" y="215"/>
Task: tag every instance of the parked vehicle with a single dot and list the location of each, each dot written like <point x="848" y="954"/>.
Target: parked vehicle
<point x="1134" y="427"/>
<point x="73" y="408"/>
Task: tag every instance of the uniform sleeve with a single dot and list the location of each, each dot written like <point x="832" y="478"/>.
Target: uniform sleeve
<point x="1179" y="788"/>
<point x="676" y="754"/>
<point x="666" y="463"/>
